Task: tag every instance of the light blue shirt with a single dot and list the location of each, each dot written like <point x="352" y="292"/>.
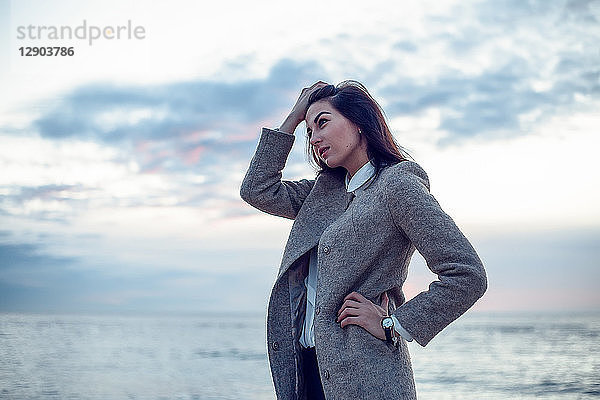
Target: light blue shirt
<point x="355" y="185"/>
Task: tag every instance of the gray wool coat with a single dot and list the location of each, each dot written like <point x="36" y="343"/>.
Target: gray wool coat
<point x="364" y="245"/>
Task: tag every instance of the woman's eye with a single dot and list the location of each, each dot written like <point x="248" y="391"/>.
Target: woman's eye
<point x="321" y="122"/>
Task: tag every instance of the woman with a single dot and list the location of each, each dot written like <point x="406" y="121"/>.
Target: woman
<point x="337" y="322"/>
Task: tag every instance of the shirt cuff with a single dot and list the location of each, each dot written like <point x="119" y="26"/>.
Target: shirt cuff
<point x="400" y="330"/>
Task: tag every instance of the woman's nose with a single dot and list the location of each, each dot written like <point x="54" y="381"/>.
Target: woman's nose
<point x="314" y="139"/>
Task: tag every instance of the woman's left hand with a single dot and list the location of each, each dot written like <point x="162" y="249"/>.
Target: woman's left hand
<point x="358" y="310"/>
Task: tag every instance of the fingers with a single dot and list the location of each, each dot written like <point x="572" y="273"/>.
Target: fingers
<point x="351" y="321"/>
<point x="371" y="323"/>
<point x="319" y="83"/>
<point x="354" y="301"/>
<point x="357" y="297"/>
<point x="348" y="312"/>
<point x="358" y="310"/>
<point x="349" y="304"/>
<point x="314" y="86"/>
<point x="302" y="102"/>
<point x="306" y="92"/>
<point x="351" y="308"/>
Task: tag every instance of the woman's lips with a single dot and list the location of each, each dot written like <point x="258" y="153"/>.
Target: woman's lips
<point x="323" y="151"/>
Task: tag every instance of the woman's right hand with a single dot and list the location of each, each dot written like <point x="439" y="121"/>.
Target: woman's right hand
<point x="297" y="114"/>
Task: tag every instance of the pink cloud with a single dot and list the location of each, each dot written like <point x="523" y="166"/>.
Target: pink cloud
<point x="192" y="156"/>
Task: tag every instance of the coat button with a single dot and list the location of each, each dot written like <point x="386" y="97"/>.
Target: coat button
<point x="275" y="346"/>
<point x="317" y="310"/>
<point x="326" y="249"/>
<point x="326" y="374"/>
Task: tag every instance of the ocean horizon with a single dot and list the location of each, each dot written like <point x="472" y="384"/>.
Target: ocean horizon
<point x="482" y="355"/>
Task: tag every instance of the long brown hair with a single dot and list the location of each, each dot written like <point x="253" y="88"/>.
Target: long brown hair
<point x="354" y="102"/>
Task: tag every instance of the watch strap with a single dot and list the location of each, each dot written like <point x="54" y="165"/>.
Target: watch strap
<point x="388" y="330"/>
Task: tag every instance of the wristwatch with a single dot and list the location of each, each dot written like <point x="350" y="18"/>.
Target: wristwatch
<point x="387" y="323"/>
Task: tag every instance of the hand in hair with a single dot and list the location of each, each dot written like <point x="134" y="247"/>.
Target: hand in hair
<point x="297" y="114"/>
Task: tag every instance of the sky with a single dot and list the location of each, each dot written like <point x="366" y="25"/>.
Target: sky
<point x="121" y="164"/>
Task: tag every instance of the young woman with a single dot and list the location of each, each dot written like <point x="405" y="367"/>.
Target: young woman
<point x="338" y="322"/>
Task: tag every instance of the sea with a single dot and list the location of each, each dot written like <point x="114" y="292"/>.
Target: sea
<point x="223" y="356"/>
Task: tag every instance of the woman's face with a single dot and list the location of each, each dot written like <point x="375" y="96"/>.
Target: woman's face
<point x="334" y="138"/>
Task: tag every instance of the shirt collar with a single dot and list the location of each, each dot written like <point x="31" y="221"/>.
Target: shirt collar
<point x="360" y="177"/>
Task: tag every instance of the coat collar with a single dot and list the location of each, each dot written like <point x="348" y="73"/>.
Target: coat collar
<point x="326" y="202"/>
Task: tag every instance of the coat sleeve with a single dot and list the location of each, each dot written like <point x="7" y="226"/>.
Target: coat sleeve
<point x="263" y="187"/>
<point x="461" y="275"/>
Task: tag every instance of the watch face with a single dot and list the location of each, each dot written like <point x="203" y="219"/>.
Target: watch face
<point x="387" y="322"/>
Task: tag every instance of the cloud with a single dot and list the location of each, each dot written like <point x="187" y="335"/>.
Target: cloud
<point x="496" y="69"/>
<point x="174" y="111"/>
<point x="176" y="144"/>
<point x="198" y="136"/>
<point x="178" y="127"/>
<point x="492" y="67"/>
<point x="586" y="11"/>
<point x="131" y="162"/>
<point x="57" y="198"/>
<point x="34" y="278"/>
